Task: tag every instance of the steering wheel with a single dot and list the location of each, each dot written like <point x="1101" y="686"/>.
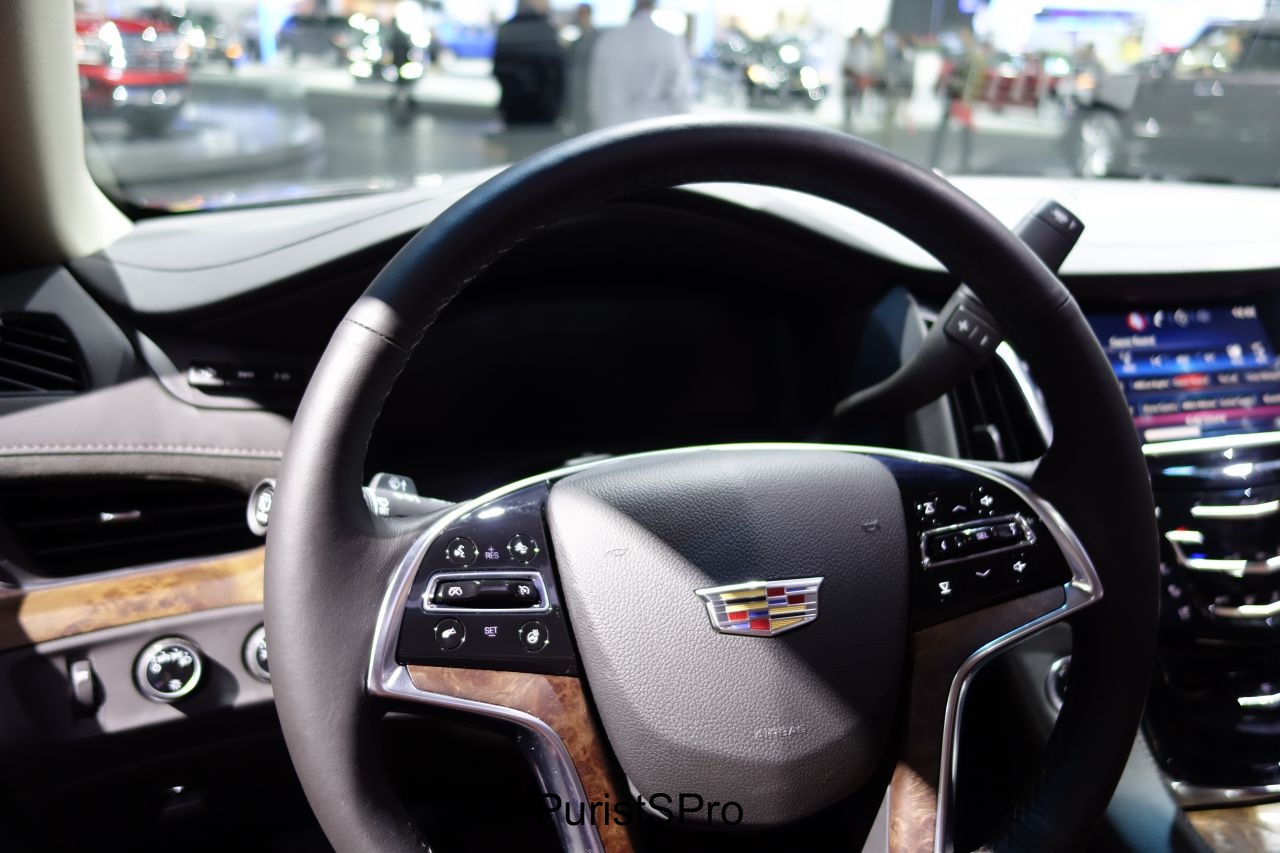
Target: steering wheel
<point x="774" y="627"/>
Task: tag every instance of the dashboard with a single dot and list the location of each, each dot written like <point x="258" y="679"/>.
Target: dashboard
<point x="708" y="315"/>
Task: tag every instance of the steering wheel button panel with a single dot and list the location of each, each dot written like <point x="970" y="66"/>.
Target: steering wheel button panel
<point x="972" y="559"/>
<point x="492" y="601"/>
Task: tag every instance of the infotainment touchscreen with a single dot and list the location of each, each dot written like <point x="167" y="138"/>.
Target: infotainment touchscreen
<point x="1191" y="372"/>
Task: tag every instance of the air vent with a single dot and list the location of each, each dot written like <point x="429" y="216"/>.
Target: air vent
<point x="74" y="527"/>
<point x="994" y="420"/>
<point x="38" y="356"/>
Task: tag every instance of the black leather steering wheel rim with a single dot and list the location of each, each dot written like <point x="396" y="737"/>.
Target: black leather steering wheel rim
<point x="328" y="559"/>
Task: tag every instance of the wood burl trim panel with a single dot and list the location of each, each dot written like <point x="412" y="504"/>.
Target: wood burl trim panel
<point x="1239" y="828"/>
<point x="77" y="607"/>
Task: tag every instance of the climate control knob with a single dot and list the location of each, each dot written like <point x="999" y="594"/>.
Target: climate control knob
<point x="168" y="669"/>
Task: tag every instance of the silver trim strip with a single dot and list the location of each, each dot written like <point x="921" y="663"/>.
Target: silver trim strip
<point x="1216" y="442"/>
<point x="1189" y="795"/>
<point x="1270" y="700"/>
<point x="1184" y="537"/>
<point x="548" y="754"/>
<point x="1234" y="567"/>
<point x="1030" y="391"/>
<point x="1246" y="611"/>
<point x="1233" y="511"/>
<point x="534" y="578"/>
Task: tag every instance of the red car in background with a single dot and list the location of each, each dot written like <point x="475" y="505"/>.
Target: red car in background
<point x="1023" y="80"/>
<point x="132" y="68"/>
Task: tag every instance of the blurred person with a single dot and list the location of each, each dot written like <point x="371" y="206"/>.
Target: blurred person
<point x="961" y="82"/>
<point x="580" y="68"/>
<point x="639" y="70"/>
<point x="529" y="62"/>
<point x="1131" y="52"/>
<point x="1086" y="60"/>
<point x="859" y="62"/>
<point x="400" y="45"/>
<point x="898" y="80"/>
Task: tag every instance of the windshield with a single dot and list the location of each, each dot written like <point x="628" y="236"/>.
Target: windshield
<point x="219" y="103"/>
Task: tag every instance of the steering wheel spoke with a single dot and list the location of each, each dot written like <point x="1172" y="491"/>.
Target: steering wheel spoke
<point x="993" y="563"/>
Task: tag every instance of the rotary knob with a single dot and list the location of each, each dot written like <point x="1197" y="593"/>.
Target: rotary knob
<point x="168" y="669"/>
<point x="254" y="654"/>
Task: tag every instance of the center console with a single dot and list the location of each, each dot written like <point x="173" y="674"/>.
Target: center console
<point x="1204" y="387"/>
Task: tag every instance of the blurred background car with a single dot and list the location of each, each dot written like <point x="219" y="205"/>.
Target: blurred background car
<point x="133" y="68"/>
<point x="325" y="37"/>
<point x="457" y="40"/>
<point x="775" y="71"/>
<point x="1024" y="80"/>
<point x="388" y="52"/>
<point x="1207" y="112"/>
<point x="209" y="38"/>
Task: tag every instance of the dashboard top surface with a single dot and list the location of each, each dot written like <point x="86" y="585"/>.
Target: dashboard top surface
<point x="181" y="263"/>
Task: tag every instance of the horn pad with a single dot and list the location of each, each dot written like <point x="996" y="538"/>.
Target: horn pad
<point x="782" y="725"/>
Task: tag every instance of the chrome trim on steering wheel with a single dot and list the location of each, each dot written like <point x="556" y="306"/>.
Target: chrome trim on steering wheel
<point x="549" y="756"/>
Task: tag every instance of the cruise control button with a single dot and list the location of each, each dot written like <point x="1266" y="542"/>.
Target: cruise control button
<point x="449" y="634"/>
<point x="533" y="636"/>
<point x="524" y="592"/>
<point x="461" y="551"/>
<point x="456" y="592"/>
<point x="522" y="548"/>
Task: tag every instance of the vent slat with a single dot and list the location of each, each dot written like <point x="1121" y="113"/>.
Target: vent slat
<point x="44" y="353"/>
<point x="39" y="371"/>
<point x="38" y="355"/>
<point x="993" y="418"/>
<point x="129" y="541"/>
<point x="148" y="514"/>
<point x="60" y="529"/>
<point x="17" y="385"/>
